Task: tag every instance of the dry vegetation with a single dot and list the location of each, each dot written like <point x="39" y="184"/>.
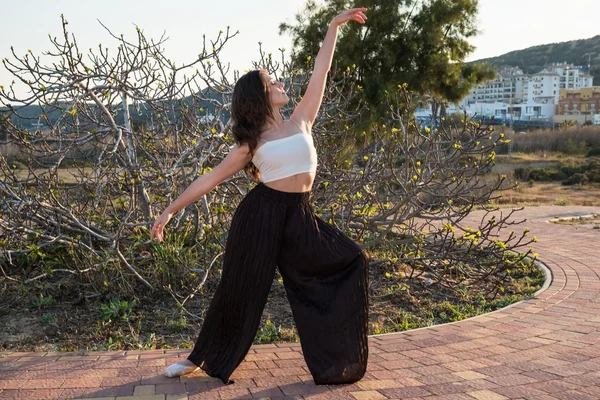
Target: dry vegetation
<point x="574" y="145"/>
<point x="78" y="269"/>
<point x="574" y="140"/>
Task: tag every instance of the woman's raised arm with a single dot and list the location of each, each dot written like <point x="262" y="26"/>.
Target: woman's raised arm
<point x="309" y="106"/>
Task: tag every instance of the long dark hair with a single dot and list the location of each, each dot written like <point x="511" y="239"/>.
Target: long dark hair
<point x="250" y="110"/>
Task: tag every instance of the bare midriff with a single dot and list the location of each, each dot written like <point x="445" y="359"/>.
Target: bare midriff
<point x="295" y="184"/>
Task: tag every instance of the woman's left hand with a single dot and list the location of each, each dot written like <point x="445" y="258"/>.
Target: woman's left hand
<point x="354" y="14"/>
<point x="159" y="226"/>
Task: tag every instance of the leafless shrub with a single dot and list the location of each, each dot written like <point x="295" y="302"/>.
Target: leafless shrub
<point x="121" y="135"/>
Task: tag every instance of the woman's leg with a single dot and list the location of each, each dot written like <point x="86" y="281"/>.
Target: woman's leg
<point x="233" y="316"/>
<point x="326" y="280"/>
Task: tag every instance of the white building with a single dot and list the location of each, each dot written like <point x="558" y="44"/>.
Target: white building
<point x="507" y="87"/>
<point x="542" y="87"/>
<point x="545" y="85"/>
<point x="516" y="111"/>
<point x="571" y="76"/>
<point x="513" y="86"/>
<point x="519" y="96"/>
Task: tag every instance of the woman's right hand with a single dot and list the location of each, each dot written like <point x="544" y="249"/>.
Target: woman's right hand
<point x="159" y="226"/>
<point x="354" y="14"/>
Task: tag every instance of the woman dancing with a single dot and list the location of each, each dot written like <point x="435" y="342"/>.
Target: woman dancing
<point x="324" y="272"/>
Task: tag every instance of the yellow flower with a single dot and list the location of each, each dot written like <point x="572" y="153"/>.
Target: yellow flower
<point x="470" y="237"/>
<point x="501" y="244"/>
<point x="388" y="275"/>
<point x="449" y="228"/>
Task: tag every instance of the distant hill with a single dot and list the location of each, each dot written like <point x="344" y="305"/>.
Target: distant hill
<point x="29" y="116"/>
<point x="534" y="59"/>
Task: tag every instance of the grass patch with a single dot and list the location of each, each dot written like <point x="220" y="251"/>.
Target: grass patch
<point x="400" y="302"/>
<point x="567" y="174"/>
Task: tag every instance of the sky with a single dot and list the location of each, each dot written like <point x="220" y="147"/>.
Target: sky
<point x="507" y="25"/>
<point x="504" y="25"/>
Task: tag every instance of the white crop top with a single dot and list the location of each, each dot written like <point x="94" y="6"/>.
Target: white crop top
<point x="280" y="158"/>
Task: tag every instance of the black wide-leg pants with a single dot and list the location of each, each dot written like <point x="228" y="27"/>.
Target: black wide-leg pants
<point x="325" y="277"/>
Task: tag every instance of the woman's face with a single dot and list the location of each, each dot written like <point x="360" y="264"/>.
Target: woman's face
<point x="278" y="96"/>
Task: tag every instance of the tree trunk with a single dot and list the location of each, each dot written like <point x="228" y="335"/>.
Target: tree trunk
<point x="136" y="172"/>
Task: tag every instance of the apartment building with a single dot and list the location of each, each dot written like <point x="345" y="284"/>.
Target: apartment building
<point x="580" y="105"/>
<point x="512" y="85"/>
<point x="543" y="88"/>
<point x="506" y="88"/>
<point x="571" y="76"/>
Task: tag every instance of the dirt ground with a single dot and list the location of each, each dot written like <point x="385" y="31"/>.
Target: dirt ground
<point x="551" y="193"/>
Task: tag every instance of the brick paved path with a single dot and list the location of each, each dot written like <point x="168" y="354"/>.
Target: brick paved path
<point x="546" y="348"/>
